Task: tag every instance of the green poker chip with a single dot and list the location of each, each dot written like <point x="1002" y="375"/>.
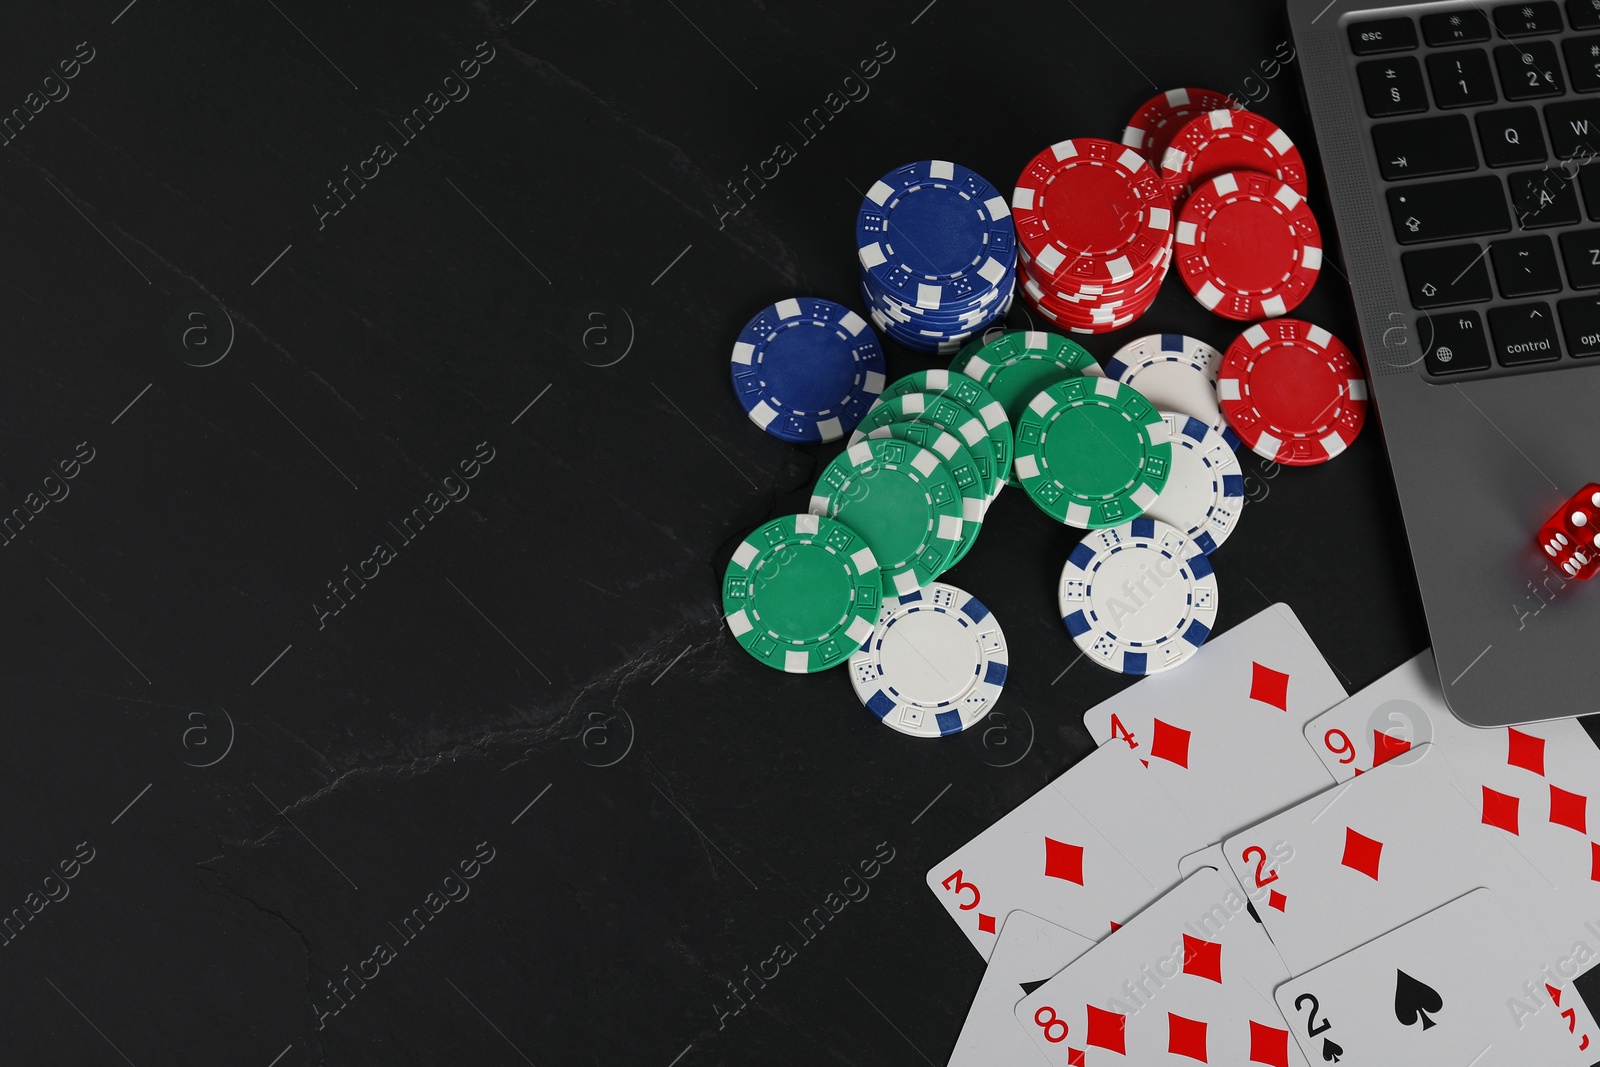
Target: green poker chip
<point x="1015" y="366"/>
<point x="903" y="501"/>
<point x="946" y="413"/>
<point x="1092" y="453"/>
<point x="969" y="394"/>
<point x="963" y="468"/>
<point x="802" y="593"/>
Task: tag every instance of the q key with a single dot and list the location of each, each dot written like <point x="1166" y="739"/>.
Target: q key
<point x="1511" y="137"/>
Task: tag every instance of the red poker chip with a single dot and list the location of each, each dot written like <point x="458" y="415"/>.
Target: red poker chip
<point x="1071" y="291"/>
<point x="1160" y="118"/>
<point x="1292" y="392"/>
<point x="1248" y="247"/>
<point x="1224" y="140"/>
<point x="1090" y="211"/>
<point x="1085" y="317"/>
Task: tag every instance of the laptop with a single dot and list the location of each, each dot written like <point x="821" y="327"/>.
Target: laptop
<point x="1454" y="139"/>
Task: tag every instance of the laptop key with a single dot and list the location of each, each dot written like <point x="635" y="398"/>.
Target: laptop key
<point x="1511" y="137"/>
<point x="1580" y="251"/>
<point x="1529" y="70"/>
<point x="1422" y="148"/>
<point x="1589" y="179"/>
<point x="1584" y="14"/>
<point x="1541" y="198"/>
<point x="1525" y="333"/>
<point x="1392" y="87"/>
<point x="1580" y="323"/>
<point x="1443" y="211"/>
<point x="1574" y="128"/>
<point x="1528" y="20"/>
<point x="1461" y="79"/>
<point x="1382" y="35"/>
<point x="1583" y="63"/>
<point x="1441" y="277"/>
<point x="1456" y="27"/>
<point x="1525" y="266"/>
<point x="1456" y="343"/>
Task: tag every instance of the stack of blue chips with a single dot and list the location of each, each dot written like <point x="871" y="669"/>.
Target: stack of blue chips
<point x="938" y="255"/>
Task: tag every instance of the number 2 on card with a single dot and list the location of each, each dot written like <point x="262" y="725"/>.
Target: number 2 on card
<point x="1261" y="859"/>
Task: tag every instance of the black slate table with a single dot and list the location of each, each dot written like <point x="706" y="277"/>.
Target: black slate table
<point x="370" y="464"/>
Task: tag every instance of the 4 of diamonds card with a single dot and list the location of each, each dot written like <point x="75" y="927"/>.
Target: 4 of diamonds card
<point x="1189" y="979"/>
<point x="1223" y="736"/>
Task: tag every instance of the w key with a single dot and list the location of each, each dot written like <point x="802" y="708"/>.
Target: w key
<point x="1574" y="128"/>
<point x="1421" y="148"/>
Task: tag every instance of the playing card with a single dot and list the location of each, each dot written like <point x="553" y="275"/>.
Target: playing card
<point x="1531" y="782"/>
<point x="1223" y="736"/>
<point x="1188" y="979"/>
<point x="1028" y="951"/>
<point x="1438" y="990"/>
<point x="1212" y="856"/>
<point x="1085" y="852"/>
<point x="1361" y="858"/>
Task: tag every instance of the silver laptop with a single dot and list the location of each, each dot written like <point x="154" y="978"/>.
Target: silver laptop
<point x="1461" y="147"/>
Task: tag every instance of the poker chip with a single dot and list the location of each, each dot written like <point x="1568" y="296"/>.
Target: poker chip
<point x="1091" y="452"/>
<point x="903" y="502"/>
<point x="1292" y="392"/>
<point x="1205" y="487"/>
<point x="1248" y="247"/>
<point x="938" y="254"/>
<point x="1160" y="118"/>
<point x="935" y="663"/>
<point x="802" y="593"/>
<point x="1228" y="139"/>
<point x="1094" y="234"/>
<point x="1016" y="365"/>
<point x="946" y="413"/>
<point x="962" y="467"/>
<point x="1175" y="373"/>
<point x="971" y="395"/>
<point x="1138" y="598"/>
<point x="806" y="370"/>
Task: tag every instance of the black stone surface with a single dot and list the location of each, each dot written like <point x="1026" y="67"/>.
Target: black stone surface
<point x="540" y="282"/>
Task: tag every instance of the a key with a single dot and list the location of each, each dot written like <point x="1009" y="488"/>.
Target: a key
<point x="1461" y="79"/>
<point x="1392" y="86"/>
<point x="1441" y="277"/>
<point x="1580" y="250"/>
<point x="1441" y="211"/>
<point x="1541" y="198"/>
<point x="1529" y="70"/>
<point x="1511" y="137"/>
<point x="1421" y="148"/>
<point x="1456" y="343"/>
<point x="1523" y="334"/>
<point x="1525" y="266"/>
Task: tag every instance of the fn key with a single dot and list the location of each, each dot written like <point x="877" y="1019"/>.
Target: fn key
<point x="1456" y="345"/>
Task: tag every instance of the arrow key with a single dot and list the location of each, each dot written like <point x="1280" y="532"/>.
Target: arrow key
<point x="1418" y="148"/>
<point x="1525" y="333"/>
<point x="1443" y="277"/>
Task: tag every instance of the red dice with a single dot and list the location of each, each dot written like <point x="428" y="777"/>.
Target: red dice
<point x="1571" y="537"/>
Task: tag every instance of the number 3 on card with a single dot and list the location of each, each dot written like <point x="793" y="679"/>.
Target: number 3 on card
<point x="957" y="889"/>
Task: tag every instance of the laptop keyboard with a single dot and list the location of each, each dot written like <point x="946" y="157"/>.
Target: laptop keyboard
<point x="1486" y="123"/>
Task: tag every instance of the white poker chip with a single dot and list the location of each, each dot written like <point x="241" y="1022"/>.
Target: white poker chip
<point x="934" y="664"/>
<point x="1175" y="373"/>
<point x="1205" y="488"/>
<point x="1138" y="598"/>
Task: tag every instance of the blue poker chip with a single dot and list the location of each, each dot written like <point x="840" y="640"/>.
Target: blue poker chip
<point x="936" y="235"/>
<point x="1138" y="598"/>
<point x="934" y="664"/>
<point x="806" y="370"/>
